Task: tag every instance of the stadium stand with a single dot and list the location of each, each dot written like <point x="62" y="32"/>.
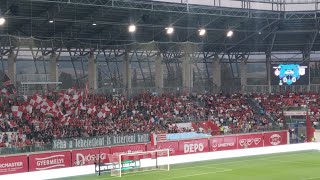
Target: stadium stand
<point x="38" y="119"/>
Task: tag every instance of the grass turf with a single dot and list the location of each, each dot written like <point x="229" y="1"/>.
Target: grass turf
<point x="303" y="165"/>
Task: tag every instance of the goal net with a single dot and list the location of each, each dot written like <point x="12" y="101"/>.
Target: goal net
<point x="139" y="161"/>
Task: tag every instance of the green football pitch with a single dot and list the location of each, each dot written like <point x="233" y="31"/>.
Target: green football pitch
<point x="303" y="165"/>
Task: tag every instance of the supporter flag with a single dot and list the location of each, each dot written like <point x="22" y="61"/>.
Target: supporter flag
<point x="6" y="80"/>
<point x="81" y="106"/>
<point x="101" y="115"/>
<point x="161" y="137"/>
<point x="35" y="100"/>
<point x="28" y="109"/>
<point x="309" y="128"/>
<point x="17" y="111"/>
<point x="8" y="87"/>
<point x="4" y="91"/>
<point x="151" y="121"/>
<point x="153" y="139"/>
<point x="91" y="109"/>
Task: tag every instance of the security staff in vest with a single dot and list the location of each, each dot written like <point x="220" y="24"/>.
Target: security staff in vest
<point x="221" y="130"/>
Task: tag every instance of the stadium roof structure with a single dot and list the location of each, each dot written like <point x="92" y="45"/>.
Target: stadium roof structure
<point x="98" y="24"/>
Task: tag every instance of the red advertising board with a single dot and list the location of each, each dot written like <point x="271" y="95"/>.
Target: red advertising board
<point x="45" y="161"/>
<point x="193" y="146"/>
<point x="128" y="148"/>
<point x="134" y="148"/>
<point x="13" y="164"/>
<point x="89" y="156"/>
<point x="173" y="147"/>
<point x="223" y="143"/>
<point x="250" y="140"/>
<point x="275" y="138"/>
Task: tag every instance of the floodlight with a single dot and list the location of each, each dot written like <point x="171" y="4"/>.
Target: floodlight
<point x="132" y="28"/>
<point x="202" y="32"/>
<point x="169" y="30"/>
<point x="230" y="33"/>
<point x="94" y="24"/>
<point x="2" y="20"/>
<point x="50" y="21"/>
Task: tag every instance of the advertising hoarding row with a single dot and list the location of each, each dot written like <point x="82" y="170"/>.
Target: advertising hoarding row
<point x="62" y="159"/>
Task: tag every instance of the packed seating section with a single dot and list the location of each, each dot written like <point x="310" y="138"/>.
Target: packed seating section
<point x="38" y="119"/>
<point x="271" y="105"/>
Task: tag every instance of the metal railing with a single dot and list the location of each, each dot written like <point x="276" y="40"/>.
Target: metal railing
<point x="246" y="130"/>
<point x="33" y="77"/>
<point x="281" y="89"/>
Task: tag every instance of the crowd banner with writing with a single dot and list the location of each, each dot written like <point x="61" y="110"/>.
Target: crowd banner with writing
<point x="173" y="147"/>
<point x="222" y="143"/>
<point x="45" y="161"/>
<point x="92" y="142"/>
<point x="13" y="164"/>
<point x="82" y="157"/>
<point x="275" y="138"/>
<point x="250" y="140"/>
<point x="193" y="146"/>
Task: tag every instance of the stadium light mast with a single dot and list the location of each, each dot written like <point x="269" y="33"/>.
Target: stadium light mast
<point x="2" y="21"/>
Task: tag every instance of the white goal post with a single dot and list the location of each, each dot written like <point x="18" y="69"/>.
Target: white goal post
<point x="125" y="163"/>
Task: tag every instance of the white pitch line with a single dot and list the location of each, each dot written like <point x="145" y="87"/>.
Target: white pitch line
<point x="213" y="164"/>
<point x="312" y="178"/>
<point x="199" y="174"/>
<point x="294" y="162"/>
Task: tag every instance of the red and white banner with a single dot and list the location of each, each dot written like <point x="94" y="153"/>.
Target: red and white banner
<point x="275" y="138"/>
<point x="223" y="143"/>
<point x="89" y="156"/>
<point x="13" y="164"/>
<point x="128" y="149"/>
<point x="250" y="140"/>
<point x="45" y="161"/>
<point x="193" y="146"/>
<point x="173" y="147"/>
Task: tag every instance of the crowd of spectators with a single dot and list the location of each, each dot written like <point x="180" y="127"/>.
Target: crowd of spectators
<point x="272" y="105"/>
<point x="38" y="119"/>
